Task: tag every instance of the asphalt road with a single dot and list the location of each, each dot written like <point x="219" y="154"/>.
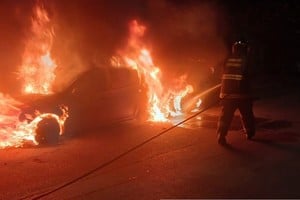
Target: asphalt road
<point x="128" y="161"/>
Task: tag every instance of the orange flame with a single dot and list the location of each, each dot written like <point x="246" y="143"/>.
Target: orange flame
<point x="14" y="133"/>
<point x="138" y="57"/>
<point x="37" y="69"/>
<point x="37" y="73"/>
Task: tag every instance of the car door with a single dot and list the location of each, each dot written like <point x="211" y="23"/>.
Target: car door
<point x="88" y="100"/>
<point x="124" y="93"/>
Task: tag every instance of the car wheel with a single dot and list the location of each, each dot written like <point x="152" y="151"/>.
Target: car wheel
<point x="47" y="131"/>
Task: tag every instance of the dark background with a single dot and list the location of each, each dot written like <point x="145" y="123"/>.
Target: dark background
<point x="273" y="29"/>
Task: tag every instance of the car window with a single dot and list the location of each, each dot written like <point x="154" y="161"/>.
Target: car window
<point x="95" y="80"/>
<point x="123" y="77"/>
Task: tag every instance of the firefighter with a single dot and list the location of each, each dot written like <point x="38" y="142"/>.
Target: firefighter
<point x="235" y="93"/>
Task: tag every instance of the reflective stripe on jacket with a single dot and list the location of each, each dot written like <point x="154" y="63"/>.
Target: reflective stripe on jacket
<point x="234" y="83"/>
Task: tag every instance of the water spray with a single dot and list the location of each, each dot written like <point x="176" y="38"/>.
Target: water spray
<point x="190" y="104"/>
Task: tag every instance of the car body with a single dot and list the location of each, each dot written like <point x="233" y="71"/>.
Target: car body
<point x="99" y="96"/>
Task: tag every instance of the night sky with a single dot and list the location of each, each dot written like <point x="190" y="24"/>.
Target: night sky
<point x="272" y="27"/>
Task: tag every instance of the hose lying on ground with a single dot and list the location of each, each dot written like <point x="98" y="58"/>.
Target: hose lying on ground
<point x="124" y="153"/>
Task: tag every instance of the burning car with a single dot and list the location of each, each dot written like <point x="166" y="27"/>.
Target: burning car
<point x="97" y="97"/>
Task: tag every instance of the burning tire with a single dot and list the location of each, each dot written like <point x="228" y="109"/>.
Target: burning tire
<point x="47" y="131"/>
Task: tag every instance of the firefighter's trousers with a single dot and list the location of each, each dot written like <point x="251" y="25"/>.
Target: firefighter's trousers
<point x="229" y="106"/>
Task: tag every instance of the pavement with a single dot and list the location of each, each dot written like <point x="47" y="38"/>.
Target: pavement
<point x="149" y="161"/>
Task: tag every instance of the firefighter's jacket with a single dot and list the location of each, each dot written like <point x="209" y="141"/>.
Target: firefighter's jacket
<point x="235" y="82"/>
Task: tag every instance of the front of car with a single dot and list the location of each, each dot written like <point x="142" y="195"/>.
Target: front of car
<point x="97" y="97"/>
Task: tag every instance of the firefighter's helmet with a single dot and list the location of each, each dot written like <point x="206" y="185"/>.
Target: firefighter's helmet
<point x="240" y="48"/>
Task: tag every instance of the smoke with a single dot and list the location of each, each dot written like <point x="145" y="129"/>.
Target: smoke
<point x="183" y="37"/>
<point x="188" y="37"/>
<point x="14" y="25"/>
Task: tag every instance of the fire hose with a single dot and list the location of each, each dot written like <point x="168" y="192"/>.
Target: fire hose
<point x="131" y="149"/>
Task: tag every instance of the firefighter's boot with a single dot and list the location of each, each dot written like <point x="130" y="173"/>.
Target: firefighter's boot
<point x="249" y="133"/>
